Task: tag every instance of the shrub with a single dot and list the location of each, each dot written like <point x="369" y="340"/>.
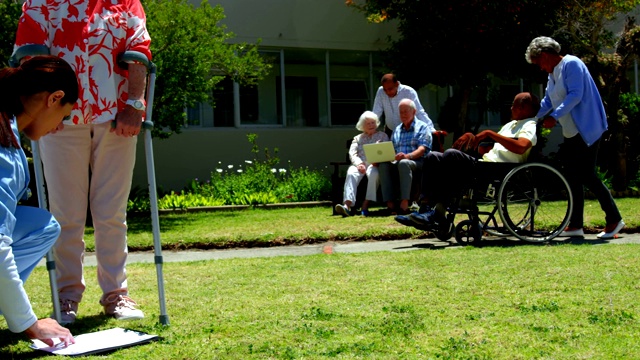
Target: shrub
<point x="256" y="182"/>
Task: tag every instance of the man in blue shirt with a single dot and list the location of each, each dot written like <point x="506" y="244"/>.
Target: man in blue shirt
<point x="412" y="141"/>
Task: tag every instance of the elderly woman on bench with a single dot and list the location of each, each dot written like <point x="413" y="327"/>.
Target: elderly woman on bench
<point x="368" y="124"/>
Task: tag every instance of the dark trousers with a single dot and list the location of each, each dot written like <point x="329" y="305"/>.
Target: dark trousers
<point x="445" y="174"/>
<point x="579" y="161"/>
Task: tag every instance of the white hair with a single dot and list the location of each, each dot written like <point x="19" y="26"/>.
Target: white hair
<point x="409" y="102"/>
<point x="367" y="115"/>
<point x="539" y="45"/>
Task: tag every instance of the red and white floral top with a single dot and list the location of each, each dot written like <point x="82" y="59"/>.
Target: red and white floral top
<point x="89" y="35"/>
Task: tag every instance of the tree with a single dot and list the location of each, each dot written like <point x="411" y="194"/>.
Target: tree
<point x="460" y="42"/>
<point x="191" y="50"/>
<point x="10" y="11"/>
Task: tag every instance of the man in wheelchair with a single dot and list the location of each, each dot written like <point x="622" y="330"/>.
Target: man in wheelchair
<point x="446" y="173"/>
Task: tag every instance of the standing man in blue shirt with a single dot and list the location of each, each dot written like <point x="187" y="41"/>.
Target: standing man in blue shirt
<point x="411" y="141"/>
<point x="388" y="98"/>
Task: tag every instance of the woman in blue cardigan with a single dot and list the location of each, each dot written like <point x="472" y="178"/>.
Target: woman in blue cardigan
<point x="573" y="100"/>
<point x="34" y="99"/>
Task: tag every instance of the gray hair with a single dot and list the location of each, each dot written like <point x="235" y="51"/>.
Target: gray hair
<point x="408" y="102"/>
<point x="367" y="115"/>
<point x="539" y="45"/>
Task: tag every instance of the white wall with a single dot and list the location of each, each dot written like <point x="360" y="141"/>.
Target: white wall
<point x="324" y="24"/>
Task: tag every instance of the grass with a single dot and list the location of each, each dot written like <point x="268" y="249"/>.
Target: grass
<point x="259" y="227"/>
<point x="521" y="302"/>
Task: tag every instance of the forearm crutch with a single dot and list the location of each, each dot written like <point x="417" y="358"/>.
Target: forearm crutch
<point x="137" y="57"/>
<point x="14" y="61"/>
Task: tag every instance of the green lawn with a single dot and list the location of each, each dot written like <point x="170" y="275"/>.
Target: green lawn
<point x="257" y="227"/>
<point x="520" y="302"/>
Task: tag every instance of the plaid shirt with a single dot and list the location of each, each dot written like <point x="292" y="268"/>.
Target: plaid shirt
<point x="406" y="141"/>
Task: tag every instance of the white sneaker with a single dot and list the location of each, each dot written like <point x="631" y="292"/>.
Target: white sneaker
<point x="342" y="210"/>
<point x="68" y="312"/>
<point x="121" y="307"/>
<point x="572" y="232"/>
<point x="611" y="230"/>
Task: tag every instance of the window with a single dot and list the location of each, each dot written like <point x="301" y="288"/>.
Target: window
<point x="349" y="100"/>
<point x="301" y="100"/>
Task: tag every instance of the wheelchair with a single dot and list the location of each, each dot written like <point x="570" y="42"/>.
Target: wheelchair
<point x="521" y="200"/>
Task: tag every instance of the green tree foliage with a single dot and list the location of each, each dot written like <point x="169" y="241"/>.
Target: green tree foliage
<point x="10" y="11"/>
<point x="461" y="42"/>
<point x="191" y="50"/>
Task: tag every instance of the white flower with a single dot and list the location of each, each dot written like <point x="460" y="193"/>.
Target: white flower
<point x="230" y="166"/>
<point x="239" y="170"/>
<point x="283" y="170"/>
<point x="219" y="170"/>
<point x="248" y="161"/>
<point x="274" y="170"/>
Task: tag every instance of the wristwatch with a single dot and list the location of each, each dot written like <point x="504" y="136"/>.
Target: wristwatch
<point x="410" y="156"/>
<point x="136" y="104"/>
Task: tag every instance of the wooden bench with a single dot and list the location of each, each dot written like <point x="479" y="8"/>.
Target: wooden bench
<point x="337" y="179"/>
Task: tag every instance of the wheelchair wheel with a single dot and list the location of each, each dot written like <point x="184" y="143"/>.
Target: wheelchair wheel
<point x="444" y="231"/>
<point x="535" y="202"/>
<point x="468" y="233"/>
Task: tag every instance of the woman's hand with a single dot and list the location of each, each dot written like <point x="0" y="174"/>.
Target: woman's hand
<point x="47" y="329"/>
<point x="361" y="168"/>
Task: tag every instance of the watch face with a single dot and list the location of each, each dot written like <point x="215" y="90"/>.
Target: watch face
<point x="136" y="104"/>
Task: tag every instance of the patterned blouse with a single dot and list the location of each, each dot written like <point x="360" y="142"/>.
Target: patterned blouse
<point x="356" y="152"/>
<point x="89" y="35"/>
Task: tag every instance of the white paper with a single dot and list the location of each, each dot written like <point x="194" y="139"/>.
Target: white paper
<point x="96" y="342"/>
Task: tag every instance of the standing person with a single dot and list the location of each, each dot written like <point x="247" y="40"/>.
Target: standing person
<point x="368" y="124"/>
<point x="411" y="141"/>
<point x="573" y="100"/>
<point x="387" y="99"/>
<point x="89" y="160"/>
<point x="34" y="98"/>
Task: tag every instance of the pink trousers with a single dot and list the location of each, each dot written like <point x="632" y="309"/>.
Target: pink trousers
<point x="88" y="165"/>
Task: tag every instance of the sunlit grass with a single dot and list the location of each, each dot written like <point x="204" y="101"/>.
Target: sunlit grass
<point x="522" y="302"/>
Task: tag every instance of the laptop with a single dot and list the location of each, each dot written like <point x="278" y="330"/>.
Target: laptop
<point x="379" y="152"/>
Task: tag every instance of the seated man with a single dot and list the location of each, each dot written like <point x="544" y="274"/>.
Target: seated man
<point x="412" y="141"/>
<point x="449" y="172"/>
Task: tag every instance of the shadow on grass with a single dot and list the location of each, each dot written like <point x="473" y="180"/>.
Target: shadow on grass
<point x="434" y="244"/>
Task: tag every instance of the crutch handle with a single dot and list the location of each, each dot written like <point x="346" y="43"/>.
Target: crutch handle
<point x="129" y="57"/>
<point x="27" y="50"/>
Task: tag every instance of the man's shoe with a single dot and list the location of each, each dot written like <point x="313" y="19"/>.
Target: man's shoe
<point x="572" y="232"/>
<point x="342" y="210"/>
<point x="121" y="307"/>
<point x="404" y="220"/>
<point x="424" y="219"/>
<point x="611" y="230"/>
<point x="68" y="312"/>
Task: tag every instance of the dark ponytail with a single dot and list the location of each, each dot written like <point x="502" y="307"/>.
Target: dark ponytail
<point x="9" y="100"/>
<point x="36" y="75"/>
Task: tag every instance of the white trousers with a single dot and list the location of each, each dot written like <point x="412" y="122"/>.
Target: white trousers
<point x="67" y="157"/>
<point x="353" y="179"/>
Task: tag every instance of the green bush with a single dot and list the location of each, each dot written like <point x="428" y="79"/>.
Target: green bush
<point x="256" y="182"/>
